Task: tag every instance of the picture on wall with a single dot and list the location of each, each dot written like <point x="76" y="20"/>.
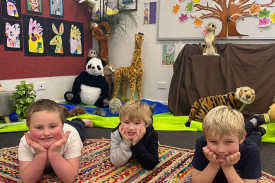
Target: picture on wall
<point x="56" y="8"/>
<point x="75" y="40"/>
<point x="12" y="35"/>
<point x="56" y="33"/>
<point x="168" y="54"/>
<point x="34" y="36"/>
<point x="11" y="9"/>
<point x="131" y="4"/>
<point x="34" y="7"/>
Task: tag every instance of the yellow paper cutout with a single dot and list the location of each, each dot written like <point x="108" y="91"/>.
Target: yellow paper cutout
<point x="272" y="17"/>
<point x="196" y="1"/>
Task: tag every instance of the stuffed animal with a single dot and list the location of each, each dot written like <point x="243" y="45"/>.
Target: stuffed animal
<point x="209" y="48"/>
<point x="99" y="112"/>
<point x="108" y="73"/>
<point x="92" y="53"/>
<point x="114" y="106"/>
<point x="96" y="6"/>
<point x="1" y="87"/>
<point x="237" y="100"/>
<point x="102" y="38"/>
<point x="90" y="87"/>
<point x="271" y="112"/>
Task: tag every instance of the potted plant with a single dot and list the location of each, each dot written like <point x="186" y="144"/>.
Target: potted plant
<point x="24" y="96"/>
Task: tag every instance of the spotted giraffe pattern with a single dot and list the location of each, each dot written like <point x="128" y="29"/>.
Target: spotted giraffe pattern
<point x="132" y="74"/>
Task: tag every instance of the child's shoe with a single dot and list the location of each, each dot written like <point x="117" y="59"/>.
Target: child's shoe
<point x="262" y="129"/>
<point x="259" y="119"/>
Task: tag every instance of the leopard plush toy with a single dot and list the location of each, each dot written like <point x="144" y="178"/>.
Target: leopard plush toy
<point x="237" y="100"/>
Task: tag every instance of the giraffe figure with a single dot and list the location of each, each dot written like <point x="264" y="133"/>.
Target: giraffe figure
<point x="132" y="74"/>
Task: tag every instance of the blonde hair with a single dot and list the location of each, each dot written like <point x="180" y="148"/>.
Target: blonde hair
<point x="44" y="105"/>
<point x="224" y="120"/>
<point x="136" y="109"/>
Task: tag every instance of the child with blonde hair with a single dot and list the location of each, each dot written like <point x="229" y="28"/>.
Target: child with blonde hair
<point x="228" y="150"/>
<point x="135" y="136"/>
<point x="52" y="142"/>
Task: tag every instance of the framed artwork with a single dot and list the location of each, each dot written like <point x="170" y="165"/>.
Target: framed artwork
<point x="75" y="39"/>
<point x="56" y="33"/>
<point x="12" y="35"/>
<point x="11" y="9"/>
<point x="131" y="4"/>
<point x="56" y="8"/>
<point x="168" y="54"/>
<point x="34" y="37"/>
<point x="34" y="7"/>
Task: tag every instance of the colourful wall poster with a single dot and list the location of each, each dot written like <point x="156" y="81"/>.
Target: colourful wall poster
<point x="168" y="54"/>
<point x="150" y="13"/>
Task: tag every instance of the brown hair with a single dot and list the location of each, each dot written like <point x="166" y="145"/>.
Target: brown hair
<point x="136" y="109"/>
<point x="44" y="105"/>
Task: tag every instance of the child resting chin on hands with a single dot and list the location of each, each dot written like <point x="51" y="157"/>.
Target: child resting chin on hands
<point x="51" y="142"/>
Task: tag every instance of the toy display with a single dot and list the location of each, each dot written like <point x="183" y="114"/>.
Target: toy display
<point x="237" y="100"/>
<point x="90" y="87"/>
<point x="108" y="73"/>
<point x="271" y="112"/>
<point x="92" y="53"/>
<point x="102" y="38"/>
<point x="209" y="48"/>
<point x="132" y="74"/>
<point x="114" y="106"/>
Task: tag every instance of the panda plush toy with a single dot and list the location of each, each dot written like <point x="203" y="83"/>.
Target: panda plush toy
<point x="90" y="87"/>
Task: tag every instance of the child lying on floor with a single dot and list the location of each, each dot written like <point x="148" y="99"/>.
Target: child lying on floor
<point x="228" y="151"/>
<point x="51" y="142"/>
<point x="135" y="136"/>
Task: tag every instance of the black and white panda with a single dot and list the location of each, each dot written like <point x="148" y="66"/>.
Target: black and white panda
<point x="90" y="87"/>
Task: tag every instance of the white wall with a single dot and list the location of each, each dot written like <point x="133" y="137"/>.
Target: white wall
<point x="120" y="55"/>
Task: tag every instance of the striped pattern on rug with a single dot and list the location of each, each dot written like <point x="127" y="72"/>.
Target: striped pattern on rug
<point x="95" y="166"/>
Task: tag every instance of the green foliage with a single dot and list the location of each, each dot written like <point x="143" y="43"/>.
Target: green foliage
<point x="24" y="97"/>
<point x="122" y="20"/>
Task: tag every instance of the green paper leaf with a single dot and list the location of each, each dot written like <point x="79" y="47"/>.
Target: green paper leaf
<point x="264" y="13"/>
<point x="189" y="7"/>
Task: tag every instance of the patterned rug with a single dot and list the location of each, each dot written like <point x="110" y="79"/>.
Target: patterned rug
<point x="95" y="166"/>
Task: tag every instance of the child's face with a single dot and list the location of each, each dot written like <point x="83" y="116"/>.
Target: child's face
<point x="46" y="128"/>
<point x="223" y="146"/>
<point x="131" y="127"/>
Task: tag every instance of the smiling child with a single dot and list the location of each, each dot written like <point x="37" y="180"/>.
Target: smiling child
<point x="51" y="142"/>
<point x="135" y="136"/>
<point x="228" y="151"/>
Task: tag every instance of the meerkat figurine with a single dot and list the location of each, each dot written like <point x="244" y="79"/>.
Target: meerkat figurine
<point x="209" y="48"/>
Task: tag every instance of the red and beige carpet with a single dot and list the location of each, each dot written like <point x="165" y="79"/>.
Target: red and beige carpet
<point x="95" y="166"/>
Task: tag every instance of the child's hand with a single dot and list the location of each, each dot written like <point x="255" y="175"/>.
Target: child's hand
<point x="122" y="132"/>
<point x="37" y="147"/>
<point x="231" y="159"/>
<point x="56" y="146"/>
<point x="140" y="133"/>
<point x="211" y="156"/>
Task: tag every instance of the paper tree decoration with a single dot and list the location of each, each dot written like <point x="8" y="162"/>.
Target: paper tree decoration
<point x="229" y="12"/>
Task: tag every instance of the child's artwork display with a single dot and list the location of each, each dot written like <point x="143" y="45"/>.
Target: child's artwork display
<point x="11" y="9"/>
<point x="168" y="54"/>
<point x="56" y="8"/>
<point x="13" y="35"/>
<point x="57" y="33"/>
<point x="34" y="6"/>
<point x="76" y="39"/>
<point x="34" y="27"/>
